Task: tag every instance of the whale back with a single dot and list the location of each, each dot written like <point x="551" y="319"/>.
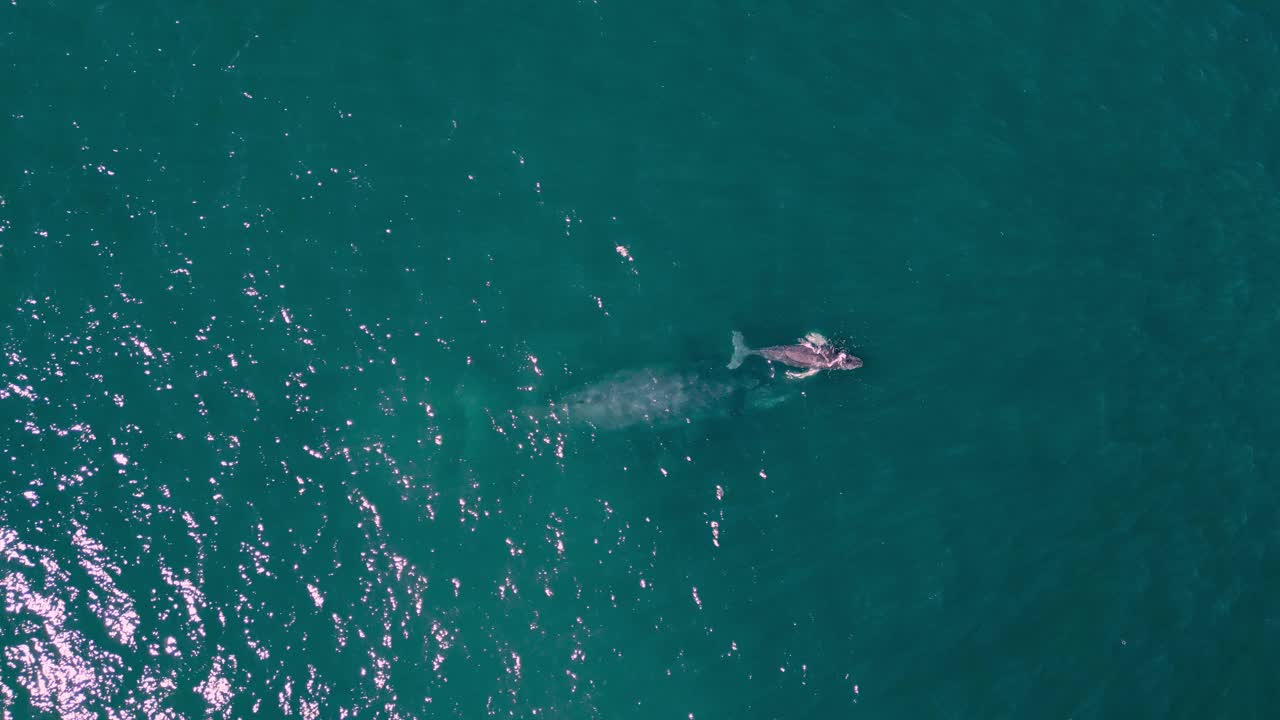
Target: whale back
<point x="801" y="356"/>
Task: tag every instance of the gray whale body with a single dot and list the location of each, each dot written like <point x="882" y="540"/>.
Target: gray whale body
<point x="660" y="398"/>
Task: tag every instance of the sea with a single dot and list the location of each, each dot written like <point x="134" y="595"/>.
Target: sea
<point x="368" y="360"/>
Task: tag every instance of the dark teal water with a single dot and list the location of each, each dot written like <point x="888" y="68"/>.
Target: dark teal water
<point x="287" y="291"/>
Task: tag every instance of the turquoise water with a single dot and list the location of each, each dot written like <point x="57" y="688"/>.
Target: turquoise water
<point x="291" y="295"/>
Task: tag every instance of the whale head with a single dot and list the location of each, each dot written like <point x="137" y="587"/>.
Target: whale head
<point x="845" y="361"/>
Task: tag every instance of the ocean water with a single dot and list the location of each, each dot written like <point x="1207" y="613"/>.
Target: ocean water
<point x="292" y="296"/>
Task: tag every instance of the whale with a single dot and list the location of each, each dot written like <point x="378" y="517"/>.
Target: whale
<point x="663" y="397"/>
<point x="813" y="353"/>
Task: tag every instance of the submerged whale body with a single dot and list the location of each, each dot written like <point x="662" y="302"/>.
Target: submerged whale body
<point x="658" y="398"/>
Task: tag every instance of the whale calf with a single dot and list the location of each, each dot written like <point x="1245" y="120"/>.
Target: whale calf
<point x="812" y="352"/>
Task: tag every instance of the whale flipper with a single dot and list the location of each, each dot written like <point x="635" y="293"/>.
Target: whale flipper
<point x="801" y="375"/>
<point x="740" y="351"/>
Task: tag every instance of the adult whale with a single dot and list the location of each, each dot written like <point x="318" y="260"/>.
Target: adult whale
<point x="659" y="397"/>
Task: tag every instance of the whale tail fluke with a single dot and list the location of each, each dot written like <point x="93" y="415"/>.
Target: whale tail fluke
<point x="740" y="350"/>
